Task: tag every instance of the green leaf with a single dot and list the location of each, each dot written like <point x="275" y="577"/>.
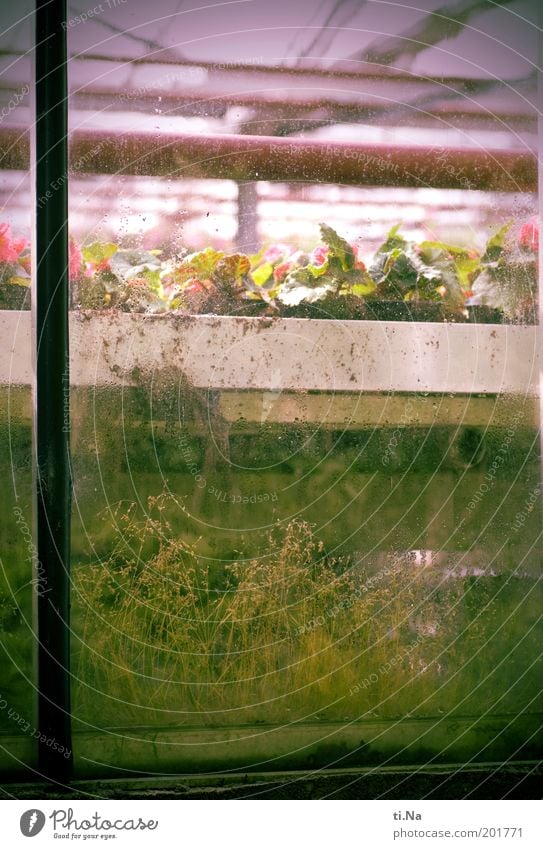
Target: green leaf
<point x="394" y="273"/>
<point x="266" y="292"/>
<point x="412" y="272"/>
<point x="467" y="269"/>
<point x="262" y="274"/>
<point x="364" y="289"/>
<point x="256" y="259"/>
<point x="98" y="251"/>
<point x="201" y="264"/>
<point x="495" y="244"/>
<point x="392" y="241"/>
<point x="232" y="269"/>
<point x="426" y="273"/>
<point x="340" y="249"/>
<point x="319" y="270"/>
<point x="431" y="250"/>
<point x="456" y="267"/>
<point x="152" y="278"/>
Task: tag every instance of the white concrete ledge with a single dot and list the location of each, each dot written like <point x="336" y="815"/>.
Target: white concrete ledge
<point x="226" y="352"/>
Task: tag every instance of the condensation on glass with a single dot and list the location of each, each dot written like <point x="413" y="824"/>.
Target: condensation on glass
<point x="21" y="579"/>
<point x="309" y="541"/>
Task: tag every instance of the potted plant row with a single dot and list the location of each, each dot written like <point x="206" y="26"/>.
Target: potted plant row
<point x="403" y="281"/>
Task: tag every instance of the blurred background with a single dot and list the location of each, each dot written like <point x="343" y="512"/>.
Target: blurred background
<point x="441" y="76"/>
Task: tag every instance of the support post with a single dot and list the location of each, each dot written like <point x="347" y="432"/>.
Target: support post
<point x="52" y="475"/>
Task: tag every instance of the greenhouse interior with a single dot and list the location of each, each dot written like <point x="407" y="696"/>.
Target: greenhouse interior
<point x="296" y="523"/>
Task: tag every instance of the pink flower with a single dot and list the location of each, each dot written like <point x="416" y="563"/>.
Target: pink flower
<point x="276" y="252"/>
<point x="319" y="255"/>
<point x="75" y="261"/>
<point x="194" y="285"/>
<point x="10" y="248"/>
<point x="529" y="235"/>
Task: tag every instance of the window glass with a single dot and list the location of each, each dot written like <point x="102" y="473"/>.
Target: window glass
<point x="21" y="575"/>
<point x="305" y="415"/>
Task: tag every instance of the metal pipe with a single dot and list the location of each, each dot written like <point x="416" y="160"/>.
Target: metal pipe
<point x="243" y="157"/>
<point x="352" y="69"/>
<point x="352" y="108"/>
<point x="53" y="480"/>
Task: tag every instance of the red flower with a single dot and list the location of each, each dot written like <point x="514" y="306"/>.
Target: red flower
<point x="281" y="271"/>
<point x="529" y="235"/>
<point x="293" y="261"/>
<point x="75" y="261"/>
<point x="359" y="264"/>
<point x="10" y="248"/>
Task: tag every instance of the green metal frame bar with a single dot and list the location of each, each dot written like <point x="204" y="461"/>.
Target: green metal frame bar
<point x="52" y="437"/>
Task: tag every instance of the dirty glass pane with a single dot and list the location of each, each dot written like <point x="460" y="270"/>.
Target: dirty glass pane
<point x="306" y="524"/>
<point x="20" y="575"/>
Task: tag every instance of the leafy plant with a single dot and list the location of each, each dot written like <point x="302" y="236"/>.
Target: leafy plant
<point x="432" y="271"/>
<point x="337" y="273"/>
<point x="282" y="280"/>
<point x="126" y="279"/>
<point x="506" y="277"/>
<point x="14" y="268"/>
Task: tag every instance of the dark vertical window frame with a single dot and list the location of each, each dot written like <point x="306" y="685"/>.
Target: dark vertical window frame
<point x="52" y="437"/>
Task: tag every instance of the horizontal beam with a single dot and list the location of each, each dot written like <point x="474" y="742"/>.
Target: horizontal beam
<point x="246" y="412"/>
<point x="292" y="354"/>
<point x="295" y="744"/>
<point x="240" y="157"/>
<point x="348" y="411"/>
<point x="352" y="69"/>
<point x="281" y="105"/>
